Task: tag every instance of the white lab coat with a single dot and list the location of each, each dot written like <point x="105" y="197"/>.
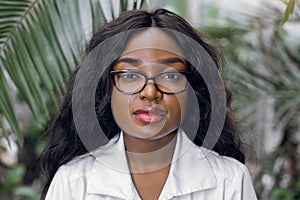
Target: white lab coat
<point x="195" y="173"/>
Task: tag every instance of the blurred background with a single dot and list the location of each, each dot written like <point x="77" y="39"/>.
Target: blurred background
<point x="41" y="41"/>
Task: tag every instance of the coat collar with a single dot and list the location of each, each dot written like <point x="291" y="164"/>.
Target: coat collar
<point x="190" y="171"/>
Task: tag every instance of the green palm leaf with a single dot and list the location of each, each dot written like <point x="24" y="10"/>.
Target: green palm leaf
<point x="40" y="43"/>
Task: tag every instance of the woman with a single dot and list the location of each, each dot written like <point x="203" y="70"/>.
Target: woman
<point x="153" y="86"/>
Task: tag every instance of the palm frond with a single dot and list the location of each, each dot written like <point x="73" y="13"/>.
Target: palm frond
<point x="262" y="63"/>
<point x="41" y="41"/>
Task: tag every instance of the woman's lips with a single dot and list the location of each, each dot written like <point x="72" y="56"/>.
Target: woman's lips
<point x="149" y="115"/>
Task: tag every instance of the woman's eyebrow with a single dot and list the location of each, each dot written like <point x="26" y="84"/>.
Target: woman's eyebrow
<point x="161" y="61"/>
<point x="128" y="60"/>
<point x="171" y="60"/>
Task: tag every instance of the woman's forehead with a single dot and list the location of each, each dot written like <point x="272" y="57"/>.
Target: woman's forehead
<point x="152" y="38"/>
<point x="150" y="59"/>
<point x="151" y="55"/>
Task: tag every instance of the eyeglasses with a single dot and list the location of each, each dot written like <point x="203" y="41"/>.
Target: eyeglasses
<point x="133" y="82"/>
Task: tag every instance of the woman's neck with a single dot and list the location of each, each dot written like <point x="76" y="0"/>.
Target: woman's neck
<point x="149" y="155"/>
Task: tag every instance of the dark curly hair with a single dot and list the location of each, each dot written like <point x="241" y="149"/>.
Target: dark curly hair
<point x="65" y="144"/>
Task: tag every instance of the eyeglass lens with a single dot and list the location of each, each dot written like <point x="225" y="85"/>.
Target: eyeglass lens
<point x="133" y="82"/>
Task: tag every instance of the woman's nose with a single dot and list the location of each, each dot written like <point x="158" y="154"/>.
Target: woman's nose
<point x="150" y="92"/>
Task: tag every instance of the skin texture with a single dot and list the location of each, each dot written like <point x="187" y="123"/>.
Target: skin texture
<point x="166" y="111"/>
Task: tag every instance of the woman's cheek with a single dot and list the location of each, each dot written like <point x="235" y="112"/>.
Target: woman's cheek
<point x="119" y="106"/>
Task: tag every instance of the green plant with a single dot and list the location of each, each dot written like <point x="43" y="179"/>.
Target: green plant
<point x="41" y="41"/>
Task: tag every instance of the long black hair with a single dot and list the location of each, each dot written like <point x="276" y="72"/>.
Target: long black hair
<point x="64" y="143"/>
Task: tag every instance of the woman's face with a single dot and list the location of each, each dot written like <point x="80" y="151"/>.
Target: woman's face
<point x="149" y="114"/>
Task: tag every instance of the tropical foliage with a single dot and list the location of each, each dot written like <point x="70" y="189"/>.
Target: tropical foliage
<point x="263" y="65"/>
<point x="40" y="42"/>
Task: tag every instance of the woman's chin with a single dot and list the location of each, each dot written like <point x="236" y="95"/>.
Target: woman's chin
<point x="149" y="134"/>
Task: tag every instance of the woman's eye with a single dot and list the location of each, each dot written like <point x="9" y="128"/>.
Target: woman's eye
<point x="129" y="77"/>
<point x="171" y="76"/>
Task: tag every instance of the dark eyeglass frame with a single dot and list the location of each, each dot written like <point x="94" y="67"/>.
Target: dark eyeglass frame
<point x="153" y="78"/>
